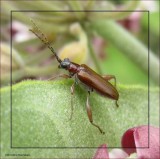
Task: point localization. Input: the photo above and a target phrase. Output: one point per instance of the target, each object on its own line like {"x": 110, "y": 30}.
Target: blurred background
{"x": 111, "y": 37}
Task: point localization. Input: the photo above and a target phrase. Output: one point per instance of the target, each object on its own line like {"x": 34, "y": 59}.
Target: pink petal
{"x": 101, "y": 153}
{"x": 138, "y": 137}
{"x": 128, "y": 141}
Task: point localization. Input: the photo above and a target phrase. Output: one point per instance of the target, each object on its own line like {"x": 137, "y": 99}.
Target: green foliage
{"x": 129, "y": 45}
{"x": 153, "y": 29}
{"x": 41, "y": 111}
{"x": 116, "y": 64}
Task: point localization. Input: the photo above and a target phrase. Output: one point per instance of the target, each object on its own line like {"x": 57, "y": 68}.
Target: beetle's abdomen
{"x": 93, "y": 80}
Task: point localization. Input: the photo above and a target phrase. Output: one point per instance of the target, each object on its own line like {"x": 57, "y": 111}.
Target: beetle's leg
{"x": 72, "y": 93}
{"x": 89, "y": 113}
{"x": 58, "y": 76}
{"x": 109, "y": 77}
{"x": 117, "y": 103}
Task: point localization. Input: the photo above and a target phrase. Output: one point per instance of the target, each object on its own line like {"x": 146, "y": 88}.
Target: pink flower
{"x": 134, "y": 140}
{"x": 138, "y": 139}
{"x": 102, "y": 152}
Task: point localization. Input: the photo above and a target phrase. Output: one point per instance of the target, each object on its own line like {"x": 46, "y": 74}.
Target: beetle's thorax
{"x": 73, "y": 68}
{"x": 70, "y": 66}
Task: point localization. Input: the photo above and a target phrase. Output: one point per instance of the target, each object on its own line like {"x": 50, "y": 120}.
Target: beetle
{"x": 83, "y": 75}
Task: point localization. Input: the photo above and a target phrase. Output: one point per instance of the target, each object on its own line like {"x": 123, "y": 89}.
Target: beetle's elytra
{"x": 83, "y": 75}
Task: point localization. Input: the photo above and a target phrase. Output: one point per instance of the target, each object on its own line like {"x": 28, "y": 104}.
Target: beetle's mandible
{"x": 84, "y": 75}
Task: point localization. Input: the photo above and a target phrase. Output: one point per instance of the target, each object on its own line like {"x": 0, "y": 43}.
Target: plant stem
{"x": 129, "y": 45}
{"x": 94, "y": 58}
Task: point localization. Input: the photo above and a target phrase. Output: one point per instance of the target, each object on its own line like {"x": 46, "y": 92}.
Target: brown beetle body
{"x": 93, "y": 80}
{"x": 85, "y": 75}
{"x": 96, "y": 82}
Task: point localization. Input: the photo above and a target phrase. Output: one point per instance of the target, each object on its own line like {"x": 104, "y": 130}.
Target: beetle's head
{"x": 65, "y": 64}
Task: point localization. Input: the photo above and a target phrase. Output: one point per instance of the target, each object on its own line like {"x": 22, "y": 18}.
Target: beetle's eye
{"x": 65, "y": 64}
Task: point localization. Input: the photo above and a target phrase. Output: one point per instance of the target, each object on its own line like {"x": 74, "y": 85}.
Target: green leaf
{"x": 41, "y": 111}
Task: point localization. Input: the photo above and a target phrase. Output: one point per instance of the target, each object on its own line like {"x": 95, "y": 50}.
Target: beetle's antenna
{"x": 44, "y": 39}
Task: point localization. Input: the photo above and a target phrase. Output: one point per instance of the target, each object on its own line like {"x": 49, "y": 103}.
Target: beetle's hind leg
{"x": 116, "y": 102}
{"x": 109, "y": 77}
{"x": 89, "y": 113}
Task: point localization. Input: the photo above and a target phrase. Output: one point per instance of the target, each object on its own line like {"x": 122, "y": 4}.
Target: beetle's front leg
{"x": 72, "y": 93}
{"x": 89, "y": 113}
{"x": 58, "y": 76}
{"x": 109, "y": 77}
